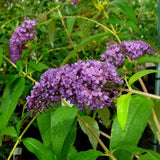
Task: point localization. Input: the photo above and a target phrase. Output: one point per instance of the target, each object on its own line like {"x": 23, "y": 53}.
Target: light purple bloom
{"x": 82, "y": 83}
{"x": 116, "y": 54}
{"x": 22, "y": 34}
{"x": 135, "y": 49}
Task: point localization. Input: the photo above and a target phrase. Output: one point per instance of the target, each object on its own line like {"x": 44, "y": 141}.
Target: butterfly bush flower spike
{"x": 22, "y": 34}
{"x": 135, "y": 49}
{"x": 82, "y": 83}
{"x": 116, "y": 53}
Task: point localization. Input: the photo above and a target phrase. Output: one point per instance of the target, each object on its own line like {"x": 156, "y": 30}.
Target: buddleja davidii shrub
{"x": 82, "y": 83}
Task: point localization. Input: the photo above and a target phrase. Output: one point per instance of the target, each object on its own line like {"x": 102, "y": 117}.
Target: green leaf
{"x": 81, "y": 45}
{"x": 126, "y": 152}
{"x": 122, "y": 154}
{"x": 51, "y": 32}
{"x": 112, "y": 21}
{"x": 133, "y": 26}
{"x": 70, "y": 24}
{"x": 122, "y": 109}
{"x": 128, "y": 10}
{"x": 115, "y": 10}
{"x": 36, "y": 147}
{"x": 87, "y": 155}
{"x": 10, "y": 131}
{"x": 147, "y": 157}
{"x": 138, "y": 115}
{"x": 152, "y": 121}
{"x": 140, "y": 74}
{"x": 72, "y": 153}
{"x": 145, "y": 59}
{"x": 137, "y": 150}
{"x": 10, "y": 97}
{"x": 20, "y": 66}
{"x": 84, "y": 121}
{"x": 69, "y": 141}
{"x": 154, "y": 154}
{"x": 44, "y": 125}
{"x": 62, "y": 130}
{"x": 105, "y": 116}
{"x": 1, "y": 56}
{"x": 36, "y": 66}
{"x": 41, "y": 66}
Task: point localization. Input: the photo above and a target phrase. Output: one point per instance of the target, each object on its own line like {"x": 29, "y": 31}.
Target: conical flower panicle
{"x": 22, "y": 34}
{"x": 82, "y": 83}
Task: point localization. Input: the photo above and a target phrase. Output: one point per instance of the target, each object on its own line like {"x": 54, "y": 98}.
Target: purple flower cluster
{"x": 81, "y": 83}
{"x": 135, "y": 49}
{"x": 116, "y": 54}
{"x": 22, "y": 34}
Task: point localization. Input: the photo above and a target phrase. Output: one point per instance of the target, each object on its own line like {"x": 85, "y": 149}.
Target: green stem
{"x": 24, "y": 74}
{"x": 134, "y": 92}
{"x": 65, "y": 28}
{"x": 98, "y": 139}
{"x": 8, "y": 60}
{"x": 105, "y": 28}
{"x": 10, "y": 21}
{"x": 20, "y": 137}
{"x": 106, "y": 15}
{"x": 105, "y": 135}
{"x": 112, "y": 27}
{"x": 61, "y": 48}
{"x": 24, "y": 106}
{"x": 144, "y": 94}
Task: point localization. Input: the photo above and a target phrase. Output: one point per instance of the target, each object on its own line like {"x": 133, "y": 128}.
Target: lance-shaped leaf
{"x": 133, "y": 26}
{"x": 63, "y": 131}
{"x": 10, "y": 98}
{"x": 70, "y": 24}
{"x": 146, "y": 59}
{"x": 86, "y": 121}
{"x": 38, "y": 148}
{"x": 147, "y": 157}
{"x": 152, "y": 124}
{"x": 87, "y": 155}
{"x": 105, "y": 116}
{"x": 134, "y": 150}
{"x": 128, "y": 10}
{"x": 122, "y": 109}
{"x": 10, "y": 131}
{"x": 140, "y": 74}
{"x": 51, "y": 32}
{"x": 138, "y": 116}
{"x": 44, "y": 125}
